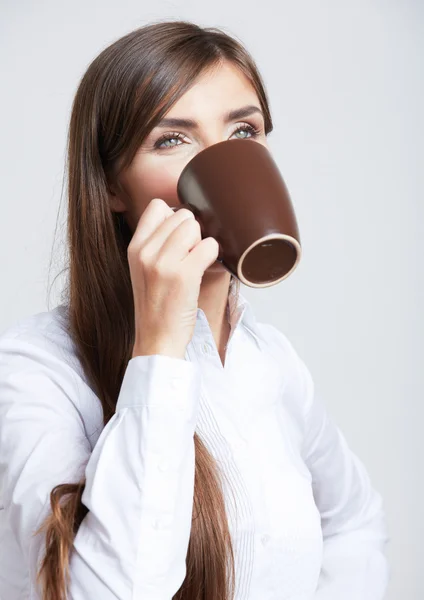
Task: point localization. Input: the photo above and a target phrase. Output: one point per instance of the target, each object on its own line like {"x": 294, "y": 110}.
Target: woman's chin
{"x": 217, "y": 267}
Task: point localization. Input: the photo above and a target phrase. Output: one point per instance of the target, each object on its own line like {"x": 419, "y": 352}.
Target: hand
{"x": 167, "y": 259}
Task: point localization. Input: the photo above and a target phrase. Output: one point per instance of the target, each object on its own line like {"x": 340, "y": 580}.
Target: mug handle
{"x": 189, "y": 207}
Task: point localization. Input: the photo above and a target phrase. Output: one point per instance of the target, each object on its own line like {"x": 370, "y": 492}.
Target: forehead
{"x": 214, "y": 92}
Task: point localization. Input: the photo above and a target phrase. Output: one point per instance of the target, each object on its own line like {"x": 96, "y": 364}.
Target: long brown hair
{"x": 124, "y": 92}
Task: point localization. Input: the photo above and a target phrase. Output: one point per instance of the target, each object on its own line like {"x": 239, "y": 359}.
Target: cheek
{"x": 155, "y": 182}
{"x": 150, "y": 177}
{"x": 160, "y": 183}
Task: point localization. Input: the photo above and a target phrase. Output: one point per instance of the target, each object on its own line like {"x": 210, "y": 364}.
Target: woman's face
{"x": 159, "y": 161}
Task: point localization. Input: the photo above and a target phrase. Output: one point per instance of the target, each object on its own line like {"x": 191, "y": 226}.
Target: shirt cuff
{"x": 160, "y": 381}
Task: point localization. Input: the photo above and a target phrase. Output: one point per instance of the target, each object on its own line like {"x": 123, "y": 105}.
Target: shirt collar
{"x": 239, "y": 314}
{"x": 243, "y": 314}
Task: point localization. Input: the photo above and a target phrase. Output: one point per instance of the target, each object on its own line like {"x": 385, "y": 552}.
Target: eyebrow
{"x": 233, "y": 115}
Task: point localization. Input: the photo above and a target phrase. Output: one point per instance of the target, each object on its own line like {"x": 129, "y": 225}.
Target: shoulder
{"x": 40, "y": 374}
{"x": 41, "y": 336}
{"x": 298, "y": 383}
{"x": 281, "y": 349}
{"x": 278, "y": 341}
{"x": 40, "y": 328}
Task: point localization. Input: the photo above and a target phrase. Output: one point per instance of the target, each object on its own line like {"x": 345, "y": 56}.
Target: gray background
{"x": 346, "y": 90}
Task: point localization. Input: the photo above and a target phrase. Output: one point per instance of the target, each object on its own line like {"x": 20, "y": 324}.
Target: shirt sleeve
{"x": 139, "y": 477}
{"x": 353, "y": 522}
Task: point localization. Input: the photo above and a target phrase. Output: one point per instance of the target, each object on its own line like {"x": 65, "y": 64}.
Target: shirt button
{"x": 207, "y": 348}
{"x": 163, "y": 465}
{"x": 265, "y": 539}
{"x": 175, "y": 382}
{"x": 162, "y": 523}
{"x": 239, "y": 445}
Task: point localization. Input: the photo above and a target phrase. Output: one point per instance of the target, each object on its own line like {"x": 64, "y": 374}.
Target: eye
{"x": 168, "y": 137}
{"x": 247, "y": 128}
{"x": 160, "y": 144}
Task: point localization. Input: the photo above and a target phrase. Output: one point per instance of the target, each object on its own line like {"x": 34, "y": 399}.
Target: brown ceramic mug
{"x": 238, "y": 196}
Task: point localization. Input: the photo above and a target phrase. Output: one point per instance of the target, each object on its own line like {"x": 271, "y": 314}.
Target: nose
{"x": 215, "y": 140}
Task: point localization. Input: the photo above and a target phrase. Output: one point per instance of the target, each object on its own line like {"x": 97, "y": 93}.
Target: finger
{"x": 203, "y": 255}
{"x": 179, "y": 240}
{"x": 156, "y": 212}
{"x": 163, "y": 232}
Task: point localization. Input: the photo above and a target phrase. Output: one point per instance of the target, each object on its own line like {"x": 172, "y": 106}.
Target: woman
{"x": 156, "y": 441}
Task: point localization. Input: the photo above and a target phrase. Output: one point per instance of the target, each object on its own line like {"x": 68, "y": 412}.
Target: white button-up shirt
{"x": 305, "y": 521}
